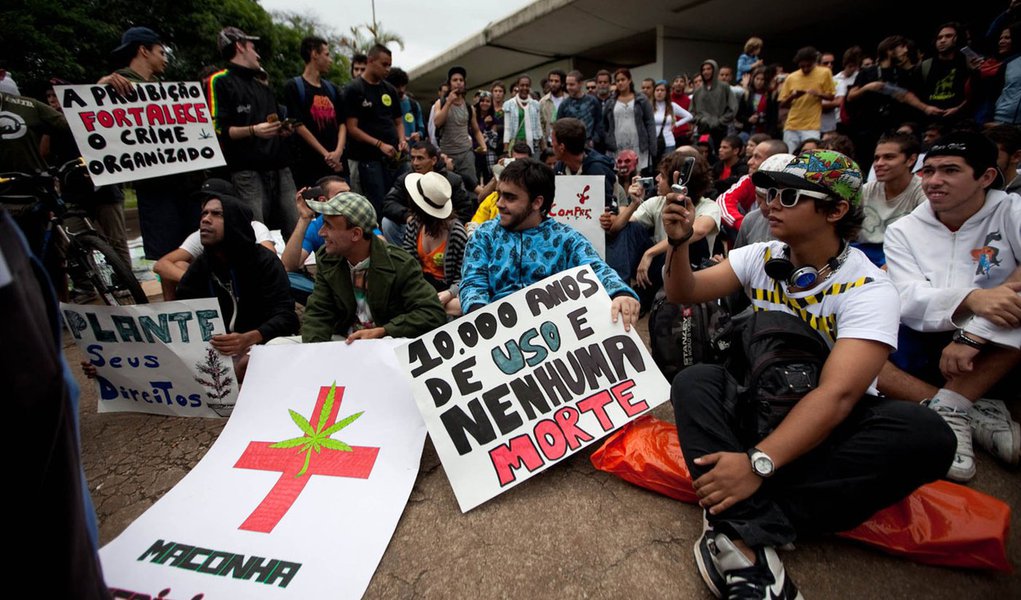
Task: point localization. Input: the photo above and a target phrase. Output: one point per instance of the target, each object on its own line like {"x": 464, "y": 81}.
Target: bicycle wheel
{"x": 105, "y": 270}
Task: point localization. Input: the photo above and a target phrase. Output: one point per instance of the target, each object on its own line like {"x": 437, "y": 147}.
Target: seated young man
{"x": 246, "y": 279}
{"x": 171, "y": 266}
{"x": 425, "y": 158}
{"x": 525, "y": 246}
{"x": 305, "y": 240}
{"x": 841, "y": 453}
{"x": 895, "y": 192}
{"x": 636, "y": 241}
{"x": 364, "y": 288}
{"x": 955, "y": 260}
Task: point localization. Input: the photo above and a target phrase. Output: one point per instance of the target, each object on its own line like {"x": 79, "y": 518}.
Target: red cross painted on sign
{"x": 296, "y": 467}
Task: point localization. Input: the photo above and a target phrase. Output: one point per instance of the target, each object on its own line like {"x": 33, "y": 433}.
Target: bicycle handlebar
{"x": 44, "y": 175}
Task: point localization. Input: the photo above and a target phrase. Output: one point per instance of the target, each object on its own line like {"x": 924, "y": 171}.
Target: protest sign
{"x": 511, "y": 389}
{"x": 300, "y": 494}
{"x": 579, "y": 201}
{"x": 156, "y": 358}
{"x": 160, "y": 128}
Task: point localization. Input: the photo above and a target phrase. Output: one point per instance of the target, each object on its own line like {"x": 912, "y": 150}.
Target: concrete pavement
{"x": 572, "y": 532}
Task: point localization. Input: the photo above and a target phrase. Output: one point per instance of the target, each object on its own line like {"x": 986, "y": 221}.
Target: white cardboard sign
{"x": 160, "y": 128}
{"x": 156, "y": 358}
{"x": 579, "y": 201}
{"x": 511, "y": 389}
{"x": 300, "y": 494}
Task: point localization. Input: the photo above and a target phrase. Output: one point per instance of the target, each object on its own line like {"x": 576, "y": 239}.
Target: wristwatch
{"x": 762, "y": 465}
{"x": 961, "y": 337}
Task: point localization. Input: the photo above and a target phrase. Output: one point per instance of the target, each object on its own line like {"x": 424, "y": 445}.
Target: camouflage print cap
{"x": 819, "y": 170}
{"x": 354, "y": 207}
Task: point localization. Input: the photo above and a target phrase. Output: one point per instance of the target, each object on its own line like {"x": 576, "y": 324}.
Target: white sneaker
{"x": 995, "y": 431}
{"x": 963, "y": 468}
{"x": 729, "y": 573}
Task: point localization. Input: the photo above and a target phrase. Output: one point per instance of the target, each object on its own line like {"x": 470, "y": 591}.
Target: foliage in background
{"x": 73, "y": 39}
{"x": 360, "y": 38}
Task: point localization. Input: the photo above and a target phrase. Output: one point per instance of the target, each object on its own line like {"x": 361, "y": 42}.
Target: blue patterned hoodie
{"x": 499, "y": 262}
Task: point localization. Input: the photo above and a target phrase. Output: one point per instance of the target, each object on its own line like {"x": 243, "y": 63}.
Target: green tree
{"x": 74, "y": 39}
{"x": 363, "y": 37}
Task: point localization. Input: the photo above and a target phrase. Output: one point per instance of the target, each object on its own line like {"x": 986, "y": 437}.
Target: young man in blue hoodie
{"x": 525, "y": 246}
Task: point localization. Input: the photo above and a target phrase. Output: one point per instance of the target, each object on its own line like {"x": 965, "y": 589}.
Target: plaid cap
{"x": 819, "y": 170}
{"x": 229, "y": 35}
{"x": 976, "y": 149}
{"x": 354, "y": 207}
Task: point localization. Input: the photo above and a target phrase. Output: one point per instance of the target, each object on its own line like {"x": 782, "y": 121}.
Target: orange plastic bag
{"x": 939, "y": 524}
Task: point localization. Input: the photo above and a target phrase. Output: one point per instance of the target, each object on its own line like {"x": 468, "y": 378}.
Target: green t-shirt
{"x": 521, "y": 124}
{"x": 23, "y": 122}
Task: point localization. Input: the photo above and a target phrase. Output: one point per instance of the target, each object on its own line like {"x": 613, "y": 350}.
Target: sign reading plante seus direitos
{"x": 156, "y": 358}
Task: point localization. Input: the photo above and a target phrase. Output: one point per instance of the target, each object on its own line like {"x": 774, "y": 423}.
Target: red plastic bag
{"x": 939, "y": 524}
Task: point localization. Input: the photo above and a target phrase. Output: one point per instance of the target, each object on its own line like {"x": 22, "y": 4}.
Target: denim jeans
{"x": 270, "y": 195}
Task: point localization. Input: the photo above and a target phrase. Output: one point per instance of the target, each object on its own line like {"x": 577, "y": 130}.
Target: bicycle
{"x": 92, "y": 263}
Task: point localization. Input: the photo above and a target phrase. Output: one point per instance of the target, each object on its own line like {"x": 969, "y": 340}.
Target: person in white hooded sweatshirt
{"x": 956, "y": 261}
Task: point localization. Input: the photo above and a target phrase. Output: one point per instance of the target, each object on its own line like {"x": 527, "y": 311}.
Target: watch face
{"x": 762, "y": 465}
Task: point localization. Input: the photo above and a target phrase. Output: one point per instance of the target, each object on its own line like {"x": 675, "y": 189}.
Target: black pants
{"x": 878, "y": 455}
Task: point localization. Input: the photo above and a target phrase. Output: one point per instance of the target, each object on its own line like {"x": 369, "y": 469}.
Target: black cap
{"x": 214, "y": 188}
{"x": 454, "y": 70}
{"x": 137, "y": 35}
{"x": 976, "y": 149}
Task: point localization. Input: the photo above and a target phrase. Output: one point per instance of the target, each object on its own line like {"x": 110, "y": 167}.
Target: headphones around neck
{"x": 782, "y": 269}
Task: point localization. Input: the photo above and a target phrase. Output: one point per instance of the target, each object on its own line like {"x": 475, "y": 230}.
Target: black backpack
{"x": 681, "y": 335}
{"x": 776, "y": 359}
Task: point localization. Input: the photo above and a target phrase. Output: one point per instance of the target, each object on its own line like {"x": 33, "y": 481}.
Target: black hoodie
{"x": 251, "y": 281}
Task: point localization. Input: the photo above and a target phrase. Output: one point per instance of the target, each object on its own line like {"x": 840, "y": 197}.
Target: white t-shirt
{"x": 857, "y": 301}
{"x": 193, "y": 245}
{"x": 881, "y": 212}
{"x": 680, "y": 117}
{"x": 842, "y": 83}
{"x": 649, "y": 212}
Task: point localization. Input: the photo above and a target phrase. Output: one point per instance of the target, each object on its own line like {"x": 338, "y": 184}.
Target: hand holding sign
{"x": 519, "y": 385}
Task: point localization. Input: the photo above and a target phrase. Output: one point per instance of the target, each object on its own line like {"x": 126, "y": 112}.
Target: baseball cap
{"x": 229, "y": 35}
{"x": 214, "y": 188}
{"x": 774, "y": 163}
{"x": 137, "y": 35}
{"x": 455, "y": 70}
{"x": 354, "y": 207}
{"x": 817, "y": 170}
{"x": 976, "y": 149}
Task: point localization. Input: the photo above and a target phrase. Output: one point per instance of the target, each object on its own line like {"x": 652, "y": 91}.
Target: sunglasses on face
{"x": 789, "y": 197}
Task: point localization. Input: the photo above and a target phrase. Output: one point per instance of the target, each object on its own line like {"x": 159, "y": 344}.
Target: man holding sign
{"x": 525, "y": 246}
{"x": 165, "y": 214}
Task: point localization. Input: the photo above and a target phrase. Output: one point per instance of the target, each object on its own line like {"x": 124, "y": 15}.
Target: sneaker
{"x": 729, "y": 574}
{"x": 995, "y": 431}
{"x": 963, "y": 467}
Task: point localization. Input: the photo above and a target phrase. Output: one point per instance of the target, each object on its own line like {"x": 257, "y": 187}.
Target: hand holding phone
{"x": 312, "y": 193}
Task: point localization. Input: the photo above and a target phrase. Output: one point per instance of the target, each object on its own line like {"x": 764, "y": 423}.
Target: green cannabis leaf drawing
{"x": 318, "y": 438}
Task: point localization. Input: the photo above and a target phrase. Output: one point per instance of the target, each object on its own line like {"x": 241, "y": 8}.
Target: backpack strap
{"x": 299, "y": 82}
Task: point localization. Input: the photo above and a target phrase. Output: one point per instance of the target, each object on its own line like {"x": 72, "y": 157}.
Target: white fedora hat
{"x": 431, "y": 192}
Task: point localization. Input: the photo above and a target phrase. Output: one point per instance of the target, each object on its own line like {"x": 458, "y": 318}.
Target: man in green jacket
{"x": 364, "y": 288}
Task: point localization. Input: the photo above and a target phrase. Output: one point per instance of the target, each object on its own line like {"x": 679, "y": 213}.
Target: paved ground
{"x": 571, "y": 532}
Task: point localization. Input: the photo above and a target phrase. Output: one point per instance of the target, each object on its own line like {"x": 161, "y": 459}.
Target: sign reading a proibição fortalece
{"x": 160, "y": 128}
{"x": 513, "y": 388}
